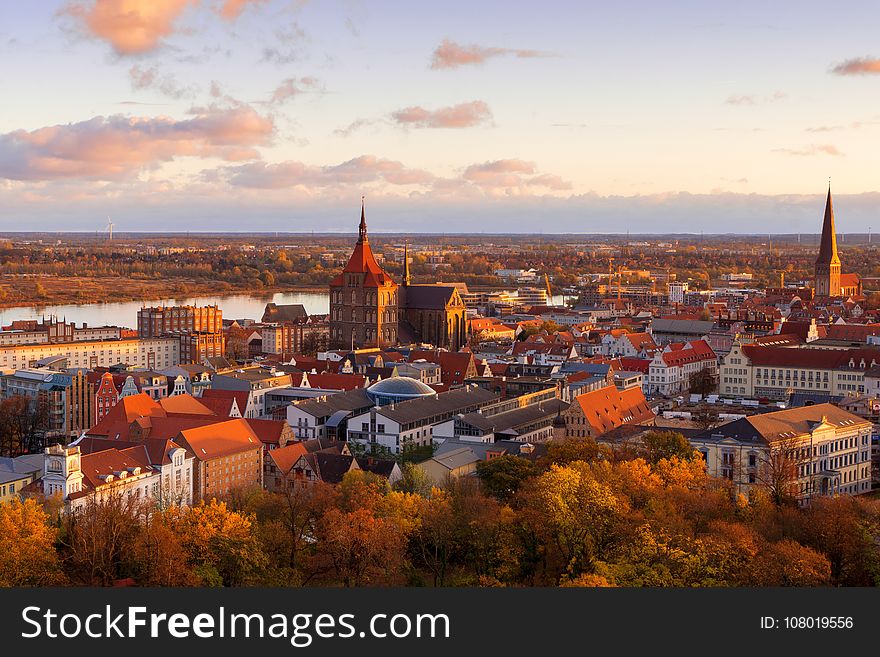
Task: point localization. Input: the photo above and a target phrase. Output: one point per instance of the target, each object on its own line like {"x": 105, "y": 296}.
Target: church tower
{"x": 828, "y": 262}
{"x": 363, "y": 300}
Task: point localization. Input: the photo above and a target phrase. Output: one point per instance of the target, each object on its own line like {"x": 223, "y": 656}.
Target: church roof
{"x": 828, "y": 246}
{"x": 362, "y": 261}
{"x": 432, "y": 297}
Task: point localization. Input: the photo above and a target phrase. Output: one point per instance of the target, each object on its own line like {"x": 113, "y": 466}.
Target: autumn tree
{"x": 502, "y": 476}
{"x": 362, "y": 548}
{"x": 702, "y": 382}
{"x": 569, "y": 450}
{"x": 27, "y": 546}
{"x": 666, "y": 444}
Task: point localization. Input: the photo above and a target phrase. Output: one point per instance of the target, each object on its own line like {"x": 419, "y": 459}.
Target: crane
{"x": 549, "y": 291}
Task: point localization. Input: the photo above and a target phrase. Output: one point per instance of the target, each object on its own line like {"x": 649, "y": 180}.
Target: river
{"x": 234, "y": 306}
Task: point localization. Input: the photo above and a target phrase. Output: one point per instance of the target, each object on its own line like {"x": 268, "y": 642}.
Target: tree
{"x": 23, "y": 425}
{"x": 414, "y": 480}
{"x": 221, "y": 544}
{"x": 27, "y": 546}
{"x": 666, "y": 444}
{"x": 702, "y": 382}
{"x": 502, "y": 476}
{"x": 569, "y": 450}
{"x": 778, "y": 471}
{"x": 360, "y": 546}
{"x": 99, "y": 539}
{"x": 788, "y": 563}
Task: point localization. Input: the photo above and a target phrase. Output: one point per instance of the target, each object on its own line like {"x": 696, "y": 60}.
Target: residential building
{"x": 596, "y": 412}
{"x": 671, "y": 369}
{"x": 805, "y": 452}
{"x": 148, "y": 353}
{"x": 257, "y": 380}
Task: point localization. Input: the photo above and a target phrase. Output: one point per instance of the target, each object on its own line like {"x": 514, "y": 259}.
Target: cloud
{"x": 858, "y": 66}
{"x": 232, "y": 9}
{"x": 452, "y": 55}
{"x": 357, "y": 171}
{"x": 113, "y": 147}
{"x": 353, "y": 127}
{"x": 812, "y": 149}
{"x": 151, "y": 78}
{"x": 464, "y": 115}
{"x": 756, "y": 100}
{"x": 288, "y": 48}
{"x": 132, "y": 27}
{"x": 292, "y": 87}
{"x": 511, "y": 174}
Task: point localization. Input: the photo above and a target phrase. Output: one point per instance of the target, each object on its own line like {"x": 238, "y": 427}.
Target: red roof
{"x": 608, "y": 408}
{"x": 682, "y": 353}
{"x": 343, "y": 382}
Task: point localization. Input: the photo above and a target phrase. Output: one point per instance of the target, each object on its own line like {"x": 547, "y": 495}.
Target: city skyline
{"x": 237, "y": 115}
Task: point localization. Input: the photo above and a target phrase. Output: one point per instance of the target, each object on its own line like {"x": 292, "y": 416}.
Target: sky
{"x": 489, "y": 116}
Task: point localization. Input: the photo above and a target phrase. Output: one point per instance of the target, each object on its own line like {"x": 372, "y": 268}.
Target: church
{"x": 829, "y": 281}
{"x": 369, "y": 309}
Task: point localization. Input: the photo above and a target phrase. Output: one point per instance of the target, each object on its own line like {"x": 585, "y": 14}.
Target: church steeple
{"x": 828, "y": 245}
{"x": 407, "y": 279}
{"x": 828, "y": 261}
{"x": 362, "y": 229}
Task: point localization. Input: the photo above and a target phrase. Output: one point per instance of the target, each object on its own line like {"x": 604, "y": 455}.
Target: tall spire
{"x": 407, "y": 279}
{"x": 828, "y": 245}
{"x": 362, "y": 230}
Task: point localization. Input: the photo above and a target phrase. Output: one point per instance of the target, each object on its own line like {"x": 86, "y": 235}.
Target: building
{"x": 664, "y": 331}
{"x": 294, "y": 337}
{"x": 671, "y": 369}
{"x": 599, "y": 411}
{"x": 456, "y": 463}
{"x": 30, "y": 331}
{"x": 148, "y": 353}
{"x": 802, "y": 452}
{"x": 409, "y": 424}
{"x": 829, "y": 281}
{"x": 258, "y": 381}
{"x": 774, "y": 372}
{"x": 160, "y": 320}
{"x": 677, "y": 290}
{"x": 327, "y": 416}
{"x": 369, "y": 309}
{"x": 18, "y": 472}
{"x": 228, "y": 456}
{"x": 527, "y": 423}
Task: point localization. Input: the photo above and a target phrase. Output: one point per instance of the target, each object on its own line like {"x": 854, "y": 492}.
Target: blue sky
{"x": 454, "y": 116}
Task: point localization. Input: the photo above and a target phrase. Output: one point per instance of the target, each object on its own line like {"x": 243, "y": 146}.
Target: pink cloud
{"x": 292, "y": 87}
{"x": 357, "y": 171}
{"x": 812, "y": 149}
{"x": 511, "y": 174}
{"x": 131, "y": 26}
{"x": 452, "y": 55}
{"x": 232, "y": 9}
{"x": 134, "y": 27}
{"x": 117, "y": 146}
{"x": 858, "y": 66}
{"x": 464, "y": 115}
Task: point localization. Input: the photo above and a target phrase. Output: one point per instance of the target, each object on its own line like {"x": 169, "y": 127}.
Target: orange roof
{"x": 607, "y": 408}
{"x": 185, "y": 404}
{"x": 285, "y": 457}
{"x": 220, "y": 439}
{"x": 127, "y": 410}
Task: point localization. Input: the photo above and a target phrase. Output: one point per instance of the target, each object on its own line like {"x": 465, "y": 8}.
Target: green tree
{"x": 502, "y": 476}
{"x": 666, "y": 444}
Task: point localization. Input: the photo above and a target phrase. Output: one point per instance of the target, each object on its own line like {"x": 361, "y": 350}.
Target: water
{"x": 235, "y": 306}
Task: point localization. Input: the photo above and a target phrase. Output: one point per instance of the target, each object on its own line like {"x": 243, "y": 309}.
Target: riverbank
{"x": 38, "y": 291}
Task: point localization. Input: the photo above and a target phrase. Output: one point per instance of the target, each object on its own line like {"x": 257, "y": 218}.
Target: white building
{"x": 677, "y": 290}
{"x": 808, "y": 451}
{"x": 671, "y": 369}
{"x": 148, "y": 353}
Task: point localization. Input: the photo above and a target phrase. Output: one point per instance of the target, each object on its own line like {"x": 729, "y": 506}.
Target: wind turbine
{"x": 109, "y": 230}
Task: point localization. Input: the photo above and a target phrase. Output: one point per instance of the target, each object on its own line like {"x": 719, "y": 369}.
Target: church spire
{"x": 407, "y": 279}
{"x": 362, "y": 229}
{"x": 828, "y": 245}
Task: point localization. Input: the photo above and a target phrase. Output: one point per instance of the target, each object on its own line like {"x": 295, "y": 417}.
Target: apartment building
{"x": 774, "y": 372}
{"x": 809, "y": 451}
{"x": 140, "y": 352}
{"x": 671, "y": 369}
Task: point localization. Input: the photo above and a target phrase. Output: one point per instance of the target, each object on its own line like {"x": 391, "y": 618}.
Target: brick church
{"x": 829, "y": 281}
{"x": 369, "y": 309}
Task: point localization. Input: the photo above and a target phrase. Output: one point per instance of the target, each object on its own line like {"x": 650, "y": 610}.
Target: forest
{"x": 580, "y": 515}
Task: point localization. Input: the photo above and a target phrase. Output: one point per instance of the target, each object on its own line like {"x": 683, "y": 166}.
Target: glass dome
{"x": 397, "y": 389}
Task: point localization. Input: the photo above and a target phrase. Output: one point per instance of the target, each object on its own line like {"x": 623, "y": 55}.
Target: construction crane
{"x": 781, "y": 273}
